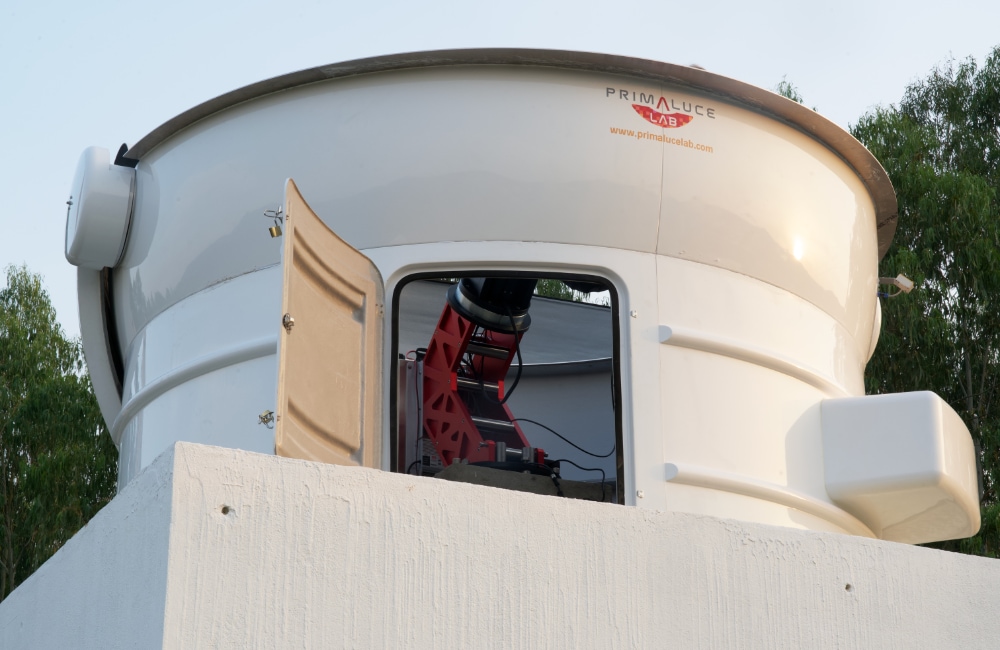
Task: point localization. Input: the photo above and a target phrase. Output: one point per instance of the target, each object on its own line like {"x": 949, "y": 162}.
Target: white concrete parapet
{"x": 213, "y": 547}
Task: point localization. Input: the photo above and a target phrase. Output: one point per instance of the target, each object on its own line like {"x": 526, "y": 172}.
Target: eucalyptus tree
{"x": 57, "y": 462}
{"x": 941, "y": 147}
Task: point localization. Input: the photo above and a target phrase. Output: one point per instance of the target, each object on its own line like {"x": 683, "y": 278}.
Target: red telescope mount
{"x": 465, "y": 415}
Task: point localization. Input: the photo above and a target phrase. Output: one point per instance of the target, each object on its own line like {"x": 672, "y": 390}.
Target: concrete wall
{"x": 214, "y": 547}
{"x": 106, "y": 587}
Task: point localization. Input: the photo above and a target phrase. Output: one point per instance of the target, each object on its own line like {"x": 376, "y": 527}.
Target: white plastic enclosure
{"x": 100, "y": 203}
{"x": 900, "y": 463}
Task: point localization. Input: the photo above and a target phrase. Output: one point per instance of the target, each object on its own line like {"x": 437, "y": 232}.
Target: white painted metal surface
{"x": 204, "y": 368}
{"x": 219, "y": 548}
{"x": 94, "y": 322}
{"x": 740, "y": 230}
{"x": 900, "y": 462}
{"x": 99, "y": 207}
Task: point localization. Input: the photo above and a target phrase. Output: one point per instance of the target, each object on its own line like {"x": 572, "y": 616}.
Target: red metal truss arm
{"x": 448, "y": 421}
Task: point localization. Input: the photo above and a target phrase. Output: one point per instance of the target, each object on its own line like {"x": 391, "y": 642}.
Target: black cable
{"x": 411, "y": 466}
{"x": 520, "y": 363}
{"x": 468, "y": 355}
{"x": 604, "y": 477}
{"x": 567, "y": 440}
{"x": 545, "y": 469}
{"x": 555, "y": 481}
{"x": 538, "y": 469}
{"x": 477, "y": 375}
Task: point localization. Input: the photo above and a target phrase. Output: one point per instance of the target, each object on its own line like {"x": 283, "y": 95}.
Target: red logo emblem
{"x": 666, "y": 120}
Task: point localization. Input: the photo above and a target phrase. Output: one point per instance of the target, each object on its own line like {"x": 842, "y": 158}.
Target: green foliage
{"x": 551, "y": 288}
{"x": 941, "y": 148}
{"x": 788, "y": 90}
{"x": 58, "y": 464}
{"x": 556, "y": 289}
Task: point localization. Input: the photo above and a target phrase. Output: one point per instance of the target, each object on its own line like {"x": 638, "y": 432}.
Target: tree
{"x": 58, "y": 464}
{"x": 788, "y": 90}
{"x": 941, "y": 149}
{"x": 551, "y": 288}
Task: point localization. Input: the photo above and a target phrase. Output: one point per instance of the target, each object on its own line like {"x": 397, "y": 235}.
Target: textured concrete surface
{"x": 214, "y": 547}
{"x": 107, "y": 586}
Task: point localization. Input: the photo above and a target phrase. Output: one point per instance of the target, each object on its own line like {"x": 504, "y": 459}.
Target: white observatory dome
{"x": 729, "y": 240}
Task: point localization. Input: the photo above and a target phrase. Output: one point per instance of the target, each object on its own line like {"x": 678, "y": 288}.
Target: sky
{"x": 104, "y": 72}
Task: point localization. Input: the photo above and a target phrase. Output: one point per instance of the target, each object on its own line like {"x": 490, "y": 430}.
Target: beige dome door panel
{"x": 329, "y": 405}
